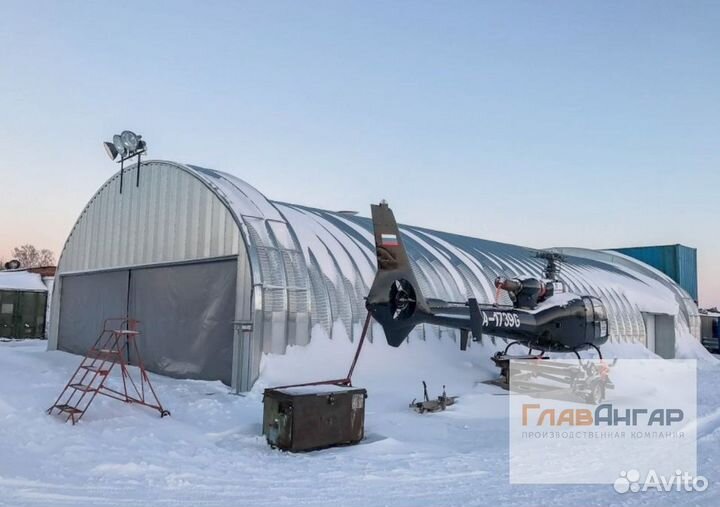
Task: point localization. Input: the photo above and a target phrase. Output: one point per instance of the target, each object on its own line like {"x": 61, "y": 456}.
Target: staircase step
{"x": 68, "y": 408}
{"x": 104, "y": 354}
{"x": 106, "y": 351}
{"x": 96, "y": 369}
{"x": 126, "y": 332}
{"x": 82, "y": 387}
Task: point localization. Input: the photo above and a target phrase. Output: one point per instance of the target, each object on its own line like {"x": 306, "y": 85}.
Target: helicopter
{"x": 540, "y": 318}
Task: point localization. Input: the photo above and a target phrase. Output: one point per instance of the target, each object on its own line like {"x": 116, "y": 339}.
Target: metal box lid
{"x": 318, "y": 390}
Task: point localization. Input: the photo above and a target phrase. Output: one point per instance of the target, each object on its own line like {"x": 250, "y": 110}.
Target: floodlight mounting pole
{"x": 137, "y": 179}
{"x": 127, "y": 145}
{"x": 122, "y": 169}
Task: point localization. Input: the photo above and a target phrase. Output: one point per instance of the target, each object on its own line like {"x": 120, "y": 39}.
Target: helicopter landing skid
{"x": 502, "y": 361}
{"x": 539, "y": 374}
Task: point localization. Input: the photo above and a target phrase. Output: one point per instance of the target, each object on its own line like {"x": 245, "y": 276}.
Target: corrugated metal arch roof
{"x": 311, "y": 268}
{"x": 337, "y": 253}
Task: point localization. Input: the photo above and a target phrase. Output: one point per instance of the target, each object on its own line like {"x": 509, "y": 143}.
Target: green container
{"x": 22, "y": 314}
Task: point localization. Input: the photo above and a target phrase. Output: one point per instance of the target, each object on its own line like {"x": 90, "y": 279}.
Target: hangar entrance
{"x": 660, "y": 334}
{"x": 186, "y": 313}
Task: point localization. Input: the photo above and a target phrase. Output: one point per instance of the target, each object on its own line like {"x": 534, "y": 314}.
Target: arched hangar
{"x": 219, "y": 275}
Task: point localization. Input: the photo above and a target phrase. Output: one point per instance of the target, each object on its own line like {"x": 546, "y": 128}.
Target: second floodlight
{"x": 130, "y": 140}
{"x": 119, "y": 146}
{"x": 111, "y": 150}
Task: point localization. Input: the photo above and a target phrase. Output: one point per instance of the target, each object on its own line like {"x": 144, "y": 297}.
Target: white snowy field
{"x": 210, "y": 452}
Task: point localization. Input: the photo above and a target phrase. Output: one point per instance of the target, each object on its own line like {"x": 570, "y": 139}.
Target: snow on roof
{"x": 21, "y": 281}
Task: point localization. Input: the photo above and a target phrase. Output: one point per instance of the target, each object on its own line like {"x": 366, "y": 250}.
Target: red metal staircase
{"x": 116, "y": 342}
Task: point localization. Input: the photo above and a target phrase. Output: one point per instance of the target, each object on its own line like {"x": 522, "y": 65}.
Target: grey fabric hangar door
{"x": 86, "y": 301}
{"x": 187, "y": 313}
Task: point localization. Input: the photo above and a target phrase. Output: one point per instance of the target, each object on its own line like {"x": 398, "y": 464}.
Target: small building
{"x": 679, "y": 262}
{"x": 23, "y": 302}
{"x": 219, "y": 274}
{"x": 710, "y": 329}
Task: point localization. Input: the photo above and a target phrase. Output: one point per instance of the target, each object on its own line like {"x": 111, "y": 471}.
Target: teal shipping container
{"x": 679, "y": 262}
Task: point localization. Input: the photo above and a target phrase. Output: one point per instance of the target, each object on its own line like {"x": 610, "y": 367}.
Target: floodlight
{"x": 130, "y": 140}
{"x": 119, "y": 146}
{"x": 125, "y": 146}
{"x": 110, "y": 150}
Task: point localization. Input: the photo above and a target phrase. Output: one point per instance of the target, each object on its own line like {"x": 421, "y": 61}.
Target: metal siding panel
{"x": 85, "y": 234}
{"x": 163, "y": 216}
{"x": 130, "y": 228}
{"x": 94, "y": 220}
{"x": 170, "y": 226}
{"x": 141, "y": 216}
{"x": 164, "y": 204}
{"x": 677, "y": 261}
{"x": 107, "y": 245}
{"x": 345, "y": 298}
{"x": 181, "y": 212}
{"x": 202, "y": 231}
{"x": 194, "y": 236}
{"x": 207, "y": 224}
{"x": 158, "y": 217}
{"x": 132, "y": 238}
{"x": 179, "y": 222}
{"x": 171, "y": 216}
{"x": 191, "y": 225}
{"x": 142, "y": 222}
{"x": 103, "y": 250}
{"x": 213, "y": 226}
{"x": 124, "y": 231}
{"x": 119, "y": 227}
{"x": 151, "y": 218}
{"x": 235, "y": 240}
{"x": 320, "y": 308}
{"x": 127, "y": 217}
{"x": 102, "y": 213}
{"x": 95, "y": 230}
{"x": 99, "y": 210}
{"x": 111, "y": 243}
{"x": 431, "y": 277}
{"x": 687, "y": 270}
{"x": 80, "y": 250}
{"x": 659, "y": 257}
{"x": 230, "y": 234}
{"x": 245, "y": 370}
{"x": 219, "y": 227}
{"x": 92, "y": 231}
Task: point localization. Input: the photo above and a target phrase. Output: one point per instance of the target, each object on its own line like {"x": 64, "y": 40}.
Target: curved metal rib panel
{"x": 311, "y": 268}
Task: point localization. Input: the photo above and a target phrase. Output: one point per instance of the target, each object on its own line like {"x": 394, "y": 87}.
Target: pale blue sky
{"x": 539, "y": 123}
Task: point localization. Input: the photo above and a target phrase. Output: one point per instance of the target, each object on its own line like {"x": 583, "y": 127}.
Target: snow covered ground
{"x": 210, "y": 452}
